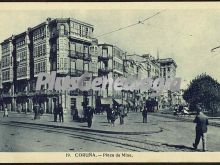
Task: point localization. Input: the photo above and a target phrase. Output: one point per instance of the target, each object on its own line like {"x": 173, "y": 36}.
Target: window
{"x": 39, "y": 33}
{"x": 105, "y": 52}
{"x": 45, "y": 49}
{"x": 40, "y": 50}
{"x": 79, "y": 47}
{"x": 62, "y": 29}
{"x": 44, "y": 68}
{"x": 79, "y": 64}
{"x": 86, "y": 49}
{"x": 65, "y": 63}
{"x": 87, "y": 32}
{"x": 76, "y": 29}
{"x": 73, "y": 66}
{"x": 84, "y": 34}
{"x": 86, "y": 67}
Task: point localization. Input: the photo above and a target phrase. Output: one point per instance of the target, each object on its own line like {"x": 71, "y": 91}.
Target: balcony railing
{"x": 72, "y": 53}
{"x": 79, "y": 55}
{"x": 23, "y": 93}
{"x": 87, "y": 57}
{"x": 76, "y": 73}
{"x": 104, "y": 71}
{"x": 59, "y": 33}
{"x": 102, "y": 58}
{"x": 6, "y": 95}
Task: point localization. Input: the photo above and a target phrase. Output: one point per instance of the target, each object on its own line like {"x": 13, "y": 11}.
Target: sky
{"x": 186, "y": 35}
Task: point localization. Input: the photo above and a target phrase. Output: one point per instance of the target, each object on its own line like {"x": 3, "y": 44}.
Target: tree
{"x": 205, "y": 90}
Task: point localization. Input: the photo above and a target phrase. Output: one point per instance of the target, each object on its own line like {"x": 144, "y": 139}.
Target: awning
{"x": 138, "y": 95}
{"x": 106, "y": 101}
{"x": 119, "y": 101}
{"x": 125, "y": 102}
{"x": 130, "y": 103}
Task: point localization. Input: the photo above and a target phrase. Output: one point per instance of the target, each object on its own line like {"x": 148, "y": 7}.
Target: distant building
{"x": 167, "y": 68}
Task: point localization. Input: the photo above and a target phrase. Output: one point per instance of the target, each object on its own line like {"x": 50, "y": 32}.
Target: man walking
{"x": 60, "y": 110}
{"x": 144, "y": 114}
{"x": 121, "y": 114}
{"x": 55, "y": 112}
{"x": 201, "y": 128}
{"x": 89, "y": 116}
{"x": 36, "y": 111}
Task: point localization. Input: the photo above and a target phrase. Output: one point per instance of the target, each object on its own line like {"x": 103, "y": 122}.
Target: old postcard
{"x": 110, "y": 82}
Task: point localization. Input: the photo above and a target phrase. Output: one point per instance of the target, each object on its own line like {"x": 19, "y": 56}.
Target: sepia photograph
{"x": 84, "y": 78}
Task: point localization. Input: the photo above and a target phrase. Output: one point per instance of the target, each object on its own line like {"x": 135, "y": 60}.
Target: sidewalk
{"x": 132, "y": 126}
{"x": 213, "y": 121}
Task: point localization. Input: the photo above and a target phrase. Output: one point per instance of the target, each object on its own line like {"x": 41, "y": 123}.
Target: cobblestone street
{"x": 21, "y": 133}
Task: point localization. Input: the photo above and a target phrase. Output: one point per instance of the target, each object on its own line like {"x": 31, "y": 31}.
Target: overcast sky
{"x": 187, "y": 36}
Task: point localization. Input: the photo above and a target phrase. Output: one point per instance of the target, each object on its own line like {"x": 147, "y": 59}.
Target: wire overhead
{"x": 122, "y": 28}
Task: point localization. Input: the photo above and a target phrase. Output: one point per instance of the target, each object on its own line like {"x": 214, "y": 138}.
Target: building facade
{"x": 168, "y": 70}
{"x": 67, "y": 46}
{"x": 110, "y": 66}
{"x": 60, "y": 45}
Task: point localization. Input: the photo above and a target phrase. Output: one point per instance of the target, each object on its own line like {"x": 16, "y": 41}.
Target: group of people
{"x": 114, "y": 113}
{"x": 58, "y": 110}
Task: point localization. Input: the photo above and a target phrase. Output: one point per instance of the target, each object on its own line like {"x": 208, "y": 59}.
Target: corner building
{"x": 60, "y": 45}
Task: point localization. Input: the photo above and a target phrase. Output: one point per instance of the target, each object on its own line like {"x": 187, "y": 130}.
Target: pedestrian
{"x": 35, "y": 109}
{"x": 201, "y": 128}
{"x": 144, "y": 114}
{"x": 113, "y": 117}
{"x": 55, "y": 113}
{"x": 60, "y": 110}
{"x": 108, "y": 112}
{"x": 90, "y": 113}
{"x": 121, "y": 114}
{"x": 5, "y": 111}
{"x": 41, "y": 110}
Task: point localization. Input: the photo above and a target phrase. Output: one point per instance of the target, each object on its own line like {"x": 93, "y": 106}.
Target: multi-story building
{"x": 152, "y": 66}
{"x": 130, "y": 71}
{"x": 147, "y": 66}
{"x": 168, "y": 70}
{"x": 1, "y": 98}
{"x": 7, "y": 68}
{"x": 60, "y": 45}
{"x": 110, "y": 66}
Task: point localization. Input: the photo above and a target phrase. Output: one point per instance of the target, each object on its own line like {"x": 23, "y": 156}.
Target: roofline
{"x": 105, "y": 44}
{"x": 44, "y": 23}
{"x": 7, "y": 40}
{"x": 18, "y": 35}
{"x": 75, "y": 20}
{"x": 39, "y": 25}
{"x": 172, "y": 60}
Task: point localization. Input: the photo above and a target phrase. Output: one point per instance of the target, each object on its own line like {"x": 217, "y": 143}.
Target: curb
{"x": 90, "y": 130}
{"x": 184, "y": 119}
